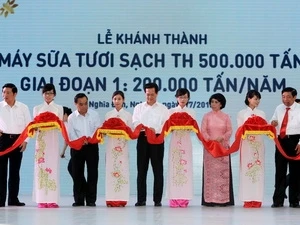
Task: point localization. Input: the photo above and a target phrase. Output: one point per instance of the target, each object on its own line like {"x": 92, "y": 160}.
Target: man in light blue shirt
{"x": 84, "y": 122}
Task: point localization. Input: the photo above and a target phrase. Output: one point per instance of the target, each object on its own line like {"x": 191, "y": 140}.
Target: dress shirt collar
{"x": 179, "y": 107}
{"x": 147, "y": 105}
{"x": 46, "y": 104}
{"x": 78, "y": 114}
{"x": 121, "y": 110}
{"x": 249, "y": 109}
{"x": 217, "y": 112}
{"x": 292, "y": 106}
{"x": 7, "y": 105}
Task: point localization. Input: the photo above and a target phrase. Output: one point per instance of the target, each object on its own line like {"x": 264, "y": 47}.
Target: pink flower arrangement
{"x": 48, "y": 170}
{"x": 251, "y": 138}
{"x": 41, "y": 160}
{"x": 183, "y": 162}
{"x": 118, "y": 149}
{"x": 116, "y": 174}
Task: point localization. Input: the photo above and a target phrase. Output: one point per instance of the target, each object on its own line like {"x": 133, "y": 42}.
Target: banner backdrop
{"x": 97, "y": 47}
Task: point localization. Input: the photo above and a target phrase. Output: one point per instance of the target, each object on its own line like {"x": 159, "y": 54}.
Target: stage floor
{"x": 148, "y": 215}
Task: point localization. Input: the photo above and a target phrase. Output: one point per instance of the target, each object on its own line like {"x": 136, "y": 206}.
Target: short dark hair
{"x": 49, "y": 87}
{"x": 80, "y": 95}
{"x": 220, "y": 98}
{"x": 151, "y": 85}
{"x": 182, "y": 91}
{"x": 118, "y": 93}
{"x": 12, "y": 86}
{"x": 67, "y": 110}
{"x": 250, "y": 94}
{"x": 297, "y": 100}
{"x": 290, "y": 89}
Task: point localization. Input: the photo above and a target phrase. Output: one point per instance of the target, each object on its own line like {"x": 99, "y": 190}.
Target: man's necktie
{"x": 284, "y": 123}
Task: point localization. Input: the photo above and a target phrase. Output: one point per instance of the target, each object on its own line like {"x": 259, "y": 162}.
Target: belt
{"x": 290, "y": 136}
{"x": 11, "y": 136}
{"x": 143, "y": 133}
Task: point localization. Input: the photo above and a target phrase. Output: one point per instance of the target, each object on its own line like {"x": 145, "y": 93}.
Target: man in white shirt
{"x": 289, "y": 138}
{"x": 84, "y": 122}
{"x": 153, "y": 115}
{"x": 14, "y": 117}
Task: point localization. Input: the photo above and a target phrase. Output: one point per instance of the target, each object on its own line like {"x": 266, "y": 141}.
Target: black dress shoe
{"x": 2, "y": 204}
{"x": 91, "y": 204}
{"x": 277, "y": 205}
{"x": 16, "y": 204}
{"x": 294, "y": 205}
{"x": 75, "y": 204}
{"x": 157, "y": 204}
{"x": 140, "y": 204}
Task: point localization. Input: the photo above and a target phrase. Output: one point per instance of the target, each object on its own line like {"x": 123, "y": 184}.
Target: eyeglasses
{"x": 48, "y": 93}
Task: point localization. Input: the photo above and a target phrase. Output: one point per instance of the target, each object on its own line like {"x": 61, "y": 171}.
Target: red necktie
{"x": 284, "y": 123}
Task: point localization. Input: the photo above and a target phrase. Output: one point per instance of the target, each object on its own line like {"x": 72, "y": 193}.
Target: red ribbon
{"x": 47, "y": 121}
{"x": 177, "y": 121}
{"x": 116, "y": 126}
{"x": 254, "y": 125}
